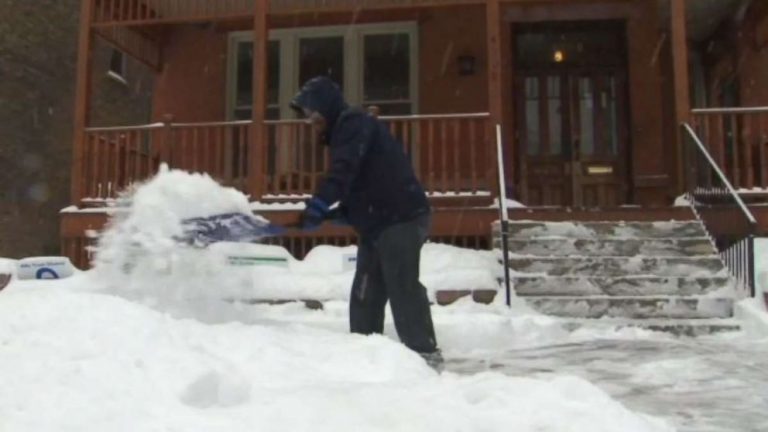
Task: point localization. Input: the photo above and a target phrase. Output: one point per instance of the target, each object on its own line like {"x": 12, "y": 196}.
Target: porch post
{"x": 257, "y": 152}
{"x": 495, "y": 94}
{"x": 82, "y": 101}
{"x": 679, "y": 41}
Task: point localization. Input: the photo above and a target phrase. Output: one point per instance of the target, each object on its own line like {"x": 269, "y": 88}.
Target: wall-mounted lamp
{"x": 558, "y": 56}
{"x": 466, "y": 65}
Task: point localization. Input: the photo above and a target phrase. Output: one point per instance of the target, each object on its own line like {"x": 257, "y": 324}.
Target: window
{"x": 243, "y": 88}
{"x": 386, "y": 72}
{"x": 117, "y": 66}
{"x": 373, "y": 64}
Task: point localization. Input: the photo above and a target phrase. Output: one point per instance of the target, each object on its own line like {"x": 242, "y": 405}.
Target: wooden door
{"x": 572, "y": 137}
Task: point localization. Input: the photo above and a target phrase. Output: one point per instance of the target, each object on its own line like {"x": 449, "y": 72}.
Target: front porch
{"x": 588, "y": 126}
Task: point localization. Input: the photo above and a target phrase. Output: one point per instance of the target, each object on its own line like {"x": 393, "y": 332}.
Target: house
{"x": 589, "y": 97}
{"x": 38, "y": 41}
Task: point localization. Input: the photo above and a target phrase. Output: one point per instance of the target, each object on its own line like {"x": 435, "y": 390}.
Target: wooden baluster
{"x": 114, "y": 162}
{"x": 430, "y": 144}
{"x": 92, "y": 139}
{"x": 718, "y": 142}
{"x": 218, "y": 144}
{"x": 153, "y": 151}
{"x": 747, "y": 142}
{"x": 166, "y": 142}
{"x": 195, "y": 149}
{"x": 472, "y": 144}
{"x": 136, "y": 157}
{"x": 109, "y": 10}
{"x": 444, "y": 155}
{"x": 179, "y": 148}
{"x": 457, "y": 175}
{"x": 125, "y": 161}
{"x": 735, "y": 159}
{"x": 211, "y": 143}
{"x": 244, "y": 155}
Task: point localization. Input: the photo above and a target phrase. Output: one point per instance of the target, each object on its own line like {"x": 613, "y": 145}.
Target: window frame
{"x": 354, "y": 46}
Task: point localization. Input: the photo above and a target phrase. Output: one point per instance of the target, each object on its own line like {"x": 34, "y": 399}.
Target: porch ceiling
{"x": 704, "y": 16}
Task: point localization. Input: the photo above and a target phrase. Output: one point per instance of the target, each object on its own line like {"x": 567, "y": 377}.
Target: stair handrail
{"x": 731, "y": 190}
{"x": 737, "y": 251}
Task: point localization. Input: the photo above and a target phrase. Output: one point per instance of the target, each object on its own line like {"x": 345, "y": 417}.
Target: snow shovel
{"x": 228, "y": 227}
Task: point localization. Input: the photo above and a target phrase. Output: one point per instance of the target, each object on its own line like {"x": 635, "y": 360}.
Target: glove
{"x": 337, "y": 216}
{"x": 314, "y": 214}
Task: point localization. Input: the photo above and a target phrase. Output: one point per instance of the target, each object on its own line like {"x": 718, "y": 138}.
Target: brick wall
{"x": 38, "y": 57}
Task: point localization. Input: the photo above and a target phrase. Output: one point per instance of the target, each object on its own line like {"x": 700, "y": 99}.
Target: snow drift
{"x": 80, "y": 362}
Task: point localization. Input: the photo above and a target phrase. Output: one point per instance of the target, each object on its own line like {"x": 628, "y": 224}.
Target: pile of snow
{"x": 137, "y": 256}
{"x": 682, "y": 201}
{"x": 7, "y": 266}
{"x": 511, "y": 204}
{"x": 80, "y": 361}
{"x": 137, "y": 253}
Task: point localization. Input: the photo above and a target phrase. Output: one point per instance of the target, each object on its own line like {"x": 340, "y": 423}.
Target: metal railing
{"x": 725, "y": 216}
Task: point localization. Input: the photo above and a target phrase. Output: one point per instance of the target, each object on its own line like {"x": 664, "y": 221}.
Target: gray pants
{"x": 388, "y": 269}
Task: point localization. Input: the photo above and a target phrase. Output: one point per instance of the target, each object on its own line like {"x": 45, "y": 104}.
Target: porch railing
{"x": 716, "y": 203}
{"x": 452, "y": 154}
{"x": 737, "y": 140}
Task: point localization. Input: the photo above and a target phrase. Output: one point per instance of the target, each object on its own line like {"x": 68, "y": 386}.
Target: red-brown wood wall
{"x": 192, "y": 84}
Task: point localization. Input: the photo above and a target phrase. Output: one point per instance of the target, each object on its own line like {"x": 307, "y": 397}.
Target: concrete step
{"x": 619, "y": 266}
{"x": 677, "y": 327}
{"x": 698, "y": 246}
{"x": 633, "y": 307}
{"x": 620, "y": 286}
{"x": 594, "y": 230}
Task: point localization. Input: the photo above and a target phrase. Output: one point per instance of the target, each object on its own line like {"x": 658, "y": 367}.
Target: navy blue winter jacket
{"x": 369, "y": 174}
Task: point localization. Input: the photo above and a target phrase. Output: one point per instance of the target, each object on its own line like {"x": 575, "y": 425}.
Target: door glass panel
{"x": 612, "y": 117}
{"x": 386, "y": 66}
{"x": 244, "y": 80}
{"x": 321, "y": 56}
{"x": 532, "y": 123}
{"x": 586, "y": 116}
{"x": 554, "y": 104}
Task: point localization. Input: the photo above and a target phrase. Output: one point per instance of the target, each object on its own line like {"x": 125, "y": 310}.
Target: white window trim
{"x": 353, "y": 65}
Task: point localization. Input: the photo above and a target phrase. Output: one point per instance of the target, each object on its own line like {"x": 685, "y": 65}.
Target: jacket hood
{"x": 321, "y": 94}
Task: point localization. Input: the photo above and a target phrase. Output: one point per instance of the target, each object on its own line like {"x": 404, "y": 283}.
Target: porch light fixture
{"x": 558, "y": 56}
{"x": 466, "y": 65}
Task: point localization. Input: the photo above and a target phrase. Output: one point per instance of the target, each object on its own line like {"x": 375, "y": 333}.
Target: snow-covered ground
{"x": 155, "y": 339}
{"x": 73, "y": 358}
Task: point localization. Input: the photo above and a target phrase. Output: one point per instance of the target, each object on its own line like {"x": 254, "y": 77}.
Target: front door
{"x": 571, "y": 117}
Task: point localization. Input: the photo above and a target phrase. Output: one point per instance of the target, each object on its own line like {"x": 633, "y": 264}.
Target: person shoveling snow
{"x": 372, "y": 180}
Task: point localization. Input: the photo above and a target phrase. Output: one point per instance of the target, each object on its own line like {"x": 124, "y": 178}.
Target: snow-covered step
{"x": 678, "y": 327}
{"x": 619, "y": 286}
{"x": 619, "y": 266}
{"x": 586, "y": 230}
{"x": 696, "y": 246}
{"x": 633, "y": 307}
